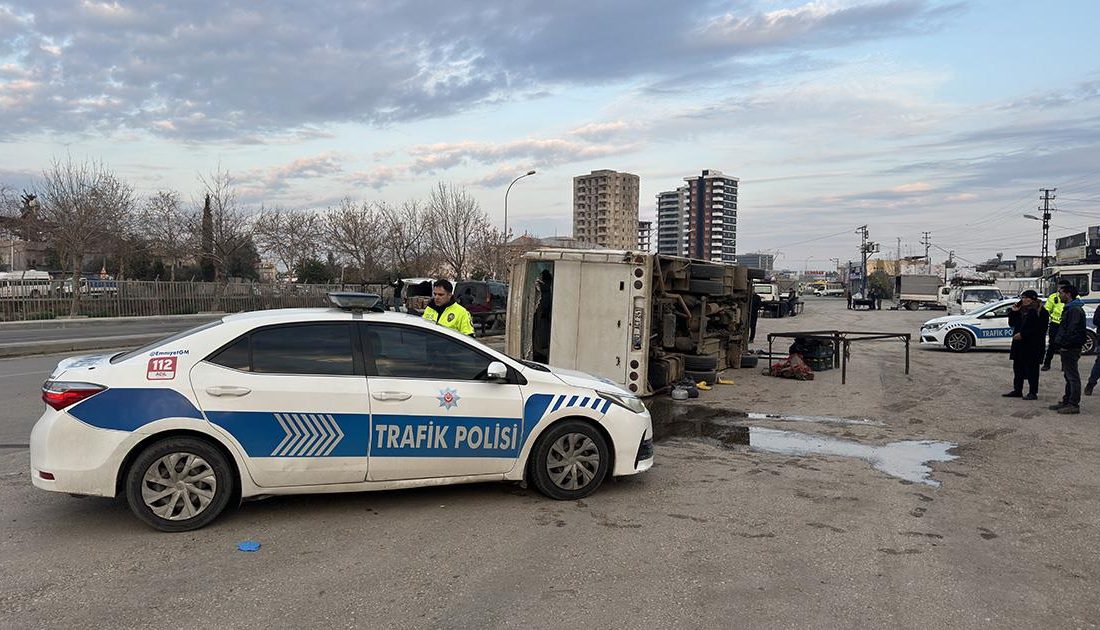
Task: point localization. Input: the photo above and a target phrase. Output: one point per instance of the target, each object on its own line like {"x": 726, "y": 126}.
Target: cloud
{"x": 519, "y": 154}
{"x": 261, "y": 184}
{"x": 226, "y": 70}
{"x": 377, "y": 177}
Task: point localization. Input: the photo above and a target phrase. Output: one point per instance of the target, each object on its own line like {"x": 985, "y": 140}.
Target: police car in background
{"x": 343, "y": 399}
{"x": 984, "y": 327}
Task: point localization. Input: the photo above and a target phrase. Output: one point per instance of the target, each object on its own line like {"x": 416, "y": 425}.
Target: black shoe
{"x": 1013, "y": 394}
{"x": 1069, "y": 409}
{"x": 1057, "y": 406}
{"x": 1088, "y": 389}
{"x": 1045, "y": 368}
{"x": 1031, "y": 397}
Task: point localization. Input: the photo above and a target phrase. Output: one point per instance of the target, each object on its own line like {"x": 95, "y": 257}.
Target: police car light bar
{"x": 350, "y": 301}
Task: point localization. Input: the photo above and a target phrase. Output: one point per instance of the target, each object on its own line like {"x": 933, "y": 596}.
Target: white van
{"x": 33, "y": 284}
{"x": 965, "y": 299}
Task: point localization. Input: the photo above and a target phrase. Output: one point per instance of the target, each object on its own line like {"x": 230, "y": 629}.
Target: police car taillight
{"x": 62, "y": 394}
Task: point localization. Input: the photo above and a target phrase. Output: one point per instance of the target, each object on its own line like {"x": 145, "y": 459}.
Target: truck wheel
{"x": 179, "y": 484}
{"x": 569, "y": 461}
{"x": 958, "y": 341}
{"x": 911, "y": 306}
{"x": 706, "y": 272}
{"x": 709, "y": 287}
{"x": 700, "y": 363}
{"x": 710, "y": 377}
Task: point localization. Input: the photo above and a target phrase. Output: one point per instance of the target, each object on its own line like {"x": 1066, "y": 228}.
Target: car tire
{"x": 700, "y": 363}
{"x": 710, "y": 377}
{"x": 958, "y": 340}
{"x": 709, "y": 287}
{"x": 569, "y": 461}
{"x": 171, "y": 466}
{"x": 1090, "y": 343}
{"x": 703, "y": 271}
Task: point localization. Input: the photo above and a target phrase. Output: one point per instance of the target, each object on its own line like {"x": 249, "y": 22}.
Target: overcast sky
{"x": 905, "y": 115}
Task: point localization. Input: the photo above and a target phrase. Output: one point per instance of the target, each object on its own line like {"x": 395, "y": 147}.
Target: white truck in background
{"x": 913, "y": 291}
{"x": 640, "y": 320}
{"x": 964, "y": 299}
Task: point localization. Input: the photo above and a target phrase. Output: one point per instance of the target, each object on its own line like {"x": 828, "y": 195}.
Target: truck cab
{"x": 964, "y": 299}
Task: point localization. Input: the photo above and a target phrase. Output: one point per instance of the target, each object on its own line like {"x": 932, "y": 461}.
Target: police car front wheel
{"x": 570, "y": 460}
{"x": 179, "y": 484}
{"x": 958, "y": 341}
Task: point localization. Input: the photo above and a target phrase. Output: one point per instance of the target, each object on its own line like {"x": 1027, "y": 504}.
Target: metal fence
{"x": 142, "y": 298}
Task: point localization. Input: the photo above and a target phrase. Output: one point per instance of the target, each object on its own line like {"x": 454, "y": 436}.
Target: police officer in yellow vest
{"x": 1054, "y": 307}
{"x": 447, "y": 312}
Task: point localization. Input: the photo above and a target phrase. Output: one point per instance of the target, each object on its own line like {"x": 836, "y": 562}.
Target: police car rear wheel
{"x": 571, "y": 461}
{"x": 179, "y": 484}
{"x": 958, "y": 341}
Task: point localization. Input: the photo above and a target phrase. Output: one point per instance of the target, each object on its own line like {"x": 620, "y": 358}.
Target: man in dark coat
{"x": 1070, "y": 339}
{"x": 755, "y": 304}
{"x": 1029, "y": 327}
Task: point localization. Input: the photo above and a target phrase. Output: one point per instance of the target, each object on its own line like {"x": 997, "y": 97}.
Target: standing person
{"x": 848, "y": 294}
{"x": 1029, "y": 326}
{"x": 1094, "y": 376}
{"x": 398, "y": 295}
{"x": 755, "y": 303}
{"x": 445, "y": 311}
{"x": 1054, "y": 307}
{"x": 1070, "y": 339}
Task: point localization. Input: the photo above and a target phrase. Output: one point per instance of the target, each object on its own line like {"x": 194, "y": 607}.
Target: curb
{"x": 83, "y": 322}
{"x": 54, "y": 346}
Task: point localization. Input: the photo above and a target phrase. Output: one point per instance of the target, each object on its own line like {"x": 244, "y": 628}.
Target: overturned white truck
{"x": 640, "y": 320}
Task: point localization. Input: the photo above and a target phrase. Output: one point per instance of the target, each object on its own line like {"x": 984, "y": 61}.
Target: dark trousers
{"x": 1094, "y": 376}
{"x": 1025, "y": 369}
{"x": 1051, "y": 348}
{"x": 752, "y": 326}
{"x": 1070, "y": 371}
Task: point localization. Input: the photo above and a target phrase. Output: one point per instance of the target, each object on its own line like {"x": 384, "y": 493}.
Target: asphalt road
{"x": 20, "y": 389}
{"x": 718, "y": 534}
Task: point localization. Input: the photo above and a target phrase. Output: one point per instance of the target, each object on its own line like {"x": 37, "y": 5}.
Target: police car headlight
{"x": 931, "y": 327}
{"x": 630, "y": 403}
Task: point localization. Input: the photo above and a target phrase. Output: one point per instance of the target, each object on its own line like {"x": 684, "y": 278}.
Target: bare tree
{"x": 168, "y": 227}
{"x": 457, "y": 226}
{"x": 288, "y": 236}
{"x": 491, "y": 255}
{"x": 355, "y": 234}
{"x": 223, "y": 228}
{"x": 83, "y": 206}
{"x": 407, "y": 248}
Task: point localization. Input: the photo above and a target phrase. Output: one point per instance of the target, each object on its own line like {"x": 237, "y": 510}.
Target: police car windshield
{"x": 118, "y": 358}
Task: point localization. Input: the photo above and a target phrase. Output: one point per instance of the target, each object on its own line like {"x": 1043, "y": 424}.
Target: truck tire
{"x": 710, "y": 377}
{"x": 749, "y": 361}
{"x": 703, "y": 271}
{"x": 911, "y": 306}
{"x": 709, "y": 287}
{"x": 700, "y": 363}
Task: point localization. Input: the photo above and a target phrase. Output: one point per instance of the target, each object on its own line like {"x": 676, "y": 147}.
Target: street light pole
{"x": 528, "y": 173}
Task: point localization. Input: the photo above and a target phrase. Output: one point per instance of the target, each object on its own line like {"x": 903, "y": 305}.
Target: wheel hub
{"x": 179, "y": 486}
{"x": 573, "y": 461}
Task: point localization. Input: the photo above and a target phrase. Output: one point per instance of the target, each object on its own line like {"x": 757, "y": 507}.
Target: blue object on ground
{"x": 248, "y": 545}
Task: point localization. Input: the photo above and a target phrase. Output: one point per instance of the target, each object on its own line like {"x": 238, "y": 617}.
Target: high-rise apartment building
{"x": 645, "y": 235}
{"x": 712, "y": 216}
{"x": 672, "y": 222}
{"x": 605, "y": 209}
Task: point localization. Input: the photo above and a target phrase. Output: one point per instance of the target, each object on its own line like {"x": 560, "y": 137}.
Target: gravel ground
{"x": 718, "y": 534}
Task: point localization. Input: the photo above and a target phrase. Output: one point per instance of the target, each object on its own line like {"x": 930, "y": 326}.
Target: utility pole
{"x": 926, "y": 240}
{"x": 866, "y": 248}
{"x": 1046, "y": 199}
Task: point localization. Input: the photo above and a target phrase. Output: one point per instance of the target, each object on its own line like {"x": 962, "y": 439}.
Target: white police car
{"x": 297, "y": 401}
{"x": 984, "y": 327}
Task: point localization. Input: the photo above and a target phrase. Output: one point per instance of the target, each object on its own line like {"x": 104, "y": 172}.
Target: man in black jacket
{"x": 1070, "y": 339}
{"x": 1029, "y": 325}
{"x": 1094, "y": 376}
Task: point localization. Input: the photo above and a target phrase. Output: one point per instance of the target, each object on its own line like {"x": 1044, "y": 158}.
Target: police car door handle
{"x": 391, "y": 396}
{"x": 227, "y": 390}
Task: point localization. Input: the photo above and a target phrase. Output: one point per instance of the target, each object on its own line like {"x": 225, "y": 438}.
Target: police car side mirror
{"x": 497, "y": 372}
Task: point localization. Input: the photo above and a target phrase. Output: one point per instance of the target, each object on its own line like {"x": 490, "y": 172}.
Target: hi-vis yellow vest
{"x": 1054, "y": 306}
{"x": 455, "y": 317}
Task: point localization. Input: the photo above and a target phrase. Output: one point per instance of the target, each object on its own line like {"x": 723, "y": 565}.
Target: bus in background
{"x": 18, "y": 284}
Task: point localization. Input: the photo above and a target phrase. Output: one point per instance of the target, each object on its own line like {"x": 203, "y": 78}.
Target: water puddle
{"x": 818, "y": 419}
{"x": 907, "y": 460}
